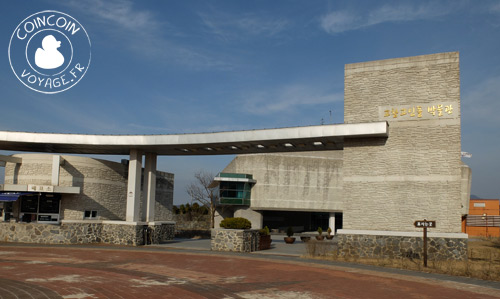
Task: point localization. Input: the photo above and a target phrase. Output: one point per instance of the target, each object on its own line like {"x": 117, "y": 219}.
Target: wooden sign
{"x": 425, "y": 223}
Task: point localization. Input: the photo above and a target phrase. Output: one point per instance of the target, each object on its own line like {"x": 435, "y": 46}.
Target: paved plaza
{"x": 37, "y": 271}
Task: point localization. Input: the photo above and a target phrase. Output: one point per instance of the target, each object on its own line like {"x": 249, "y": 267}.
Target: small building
{"x": 72, "y": 199}
{"x": 483, "y": 219}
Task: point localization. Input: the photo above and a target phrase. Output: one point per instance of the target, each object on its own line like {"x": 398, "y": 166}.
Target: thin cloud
{"x": 142, "y": 32}
{"x": 288, "y": 98}
{"x": 495, "y": 8}
{"x": 229, "y": 27}
{"x": 345, "y": 20}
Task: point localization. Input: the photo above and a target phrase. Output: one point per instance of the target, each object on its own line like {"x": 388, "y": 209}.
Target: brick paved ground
{"x": 107, "y": 272}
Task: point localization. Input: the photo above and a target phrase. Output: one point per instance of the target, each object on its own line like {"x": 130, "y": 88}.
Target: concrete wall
{"x": 416, "y": 172}
{"x": 253, "y": 216}
{"x": 103, "y": 185}
{"x": 309, "y": 181}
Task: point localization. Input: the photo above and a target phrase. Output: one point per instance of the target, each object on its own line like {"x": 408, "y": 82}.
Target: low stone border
{"x": 378, "y": 246}
{"x": 115, "y": 232}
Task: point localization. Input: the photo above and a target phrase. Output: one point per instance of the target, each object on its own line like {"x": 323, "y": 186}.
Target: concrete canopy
{"x": 323, "y": 137}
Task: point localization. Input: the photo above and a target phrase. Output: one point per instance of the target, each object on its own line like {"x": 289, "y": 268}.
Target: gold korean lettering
{"x": 440, "y": 110}
{"x": 387, "y": 113}
{"x": 411, "y": 111}
{"x": 394, "y": 113}
{"x": 432, "y": 110}
{"x": 419, "y": 111}
{"x": 448, "y": 109}
{"x": 403, "y": 112}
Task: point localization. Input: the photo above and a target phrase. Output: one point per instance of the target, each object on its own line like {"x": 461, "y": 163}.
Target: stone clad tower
{"x": 416, "y": 173}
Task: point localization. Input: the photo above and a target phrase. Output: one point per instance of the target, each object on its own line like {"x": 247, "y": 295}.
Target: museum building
{"x": 395, "y": 160}
{"x": 370, "y": 190}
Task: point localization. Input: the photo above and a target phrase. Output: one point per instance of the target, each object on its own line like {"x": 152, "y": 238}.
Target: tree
{"x": 203, "y": 191}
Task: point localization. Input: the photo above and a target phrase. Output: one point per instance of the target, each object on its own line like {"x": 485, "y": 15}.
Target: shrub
{"x": 329, "y": 231}
{"x": 289, "y": 231}
{"x": 320, "y": 231}
{"x": 236, "y": 223}
{"x": 264, "y": 231}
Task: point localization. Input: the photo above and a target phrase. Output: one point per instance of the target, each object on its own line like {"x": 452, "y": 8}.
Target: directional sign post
{"x": 425, "y": 224}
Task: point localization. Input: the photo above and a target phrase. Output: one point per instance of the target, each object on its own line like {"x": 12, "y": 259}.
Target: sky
{"x": 168, "y": 67}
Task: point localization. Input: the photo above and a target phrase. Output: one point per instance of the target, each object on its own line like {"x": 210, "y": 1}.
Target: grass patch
{"x": 483, "y": 260}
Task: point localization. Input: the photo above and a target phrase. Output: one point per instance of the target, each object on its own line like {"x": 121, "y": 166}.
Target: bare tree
{"x": 205, "y": 192}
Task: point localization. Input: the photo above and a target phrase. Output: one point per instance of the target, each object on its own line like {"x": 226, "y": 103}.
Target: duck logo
{"x": 49, "y": 52}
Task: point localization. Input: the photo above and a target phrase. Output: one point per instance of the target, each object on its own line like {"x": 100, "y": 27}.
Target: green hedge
{"x": 236, "y": 223}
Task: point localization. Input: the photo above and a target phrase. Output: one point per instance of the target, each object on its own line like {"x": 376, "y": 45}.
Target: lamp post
{"x": 485, "y": 218}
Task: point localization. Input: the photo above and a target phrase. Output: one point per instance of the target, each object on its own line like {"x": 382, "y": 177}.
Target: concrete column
{"x": 56, "y": 162}
{"x": 331, "y": 222}
{"x": 254, "y": 216}
{"x": 148, "y": 211}
{"x": 134, "y": 186}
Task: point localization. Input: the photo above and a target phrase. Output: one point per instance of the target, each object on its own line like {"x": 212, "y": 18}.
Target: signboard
{"x": 44, "y": 218}
{"x": 425, "y": 223}
{"x": 40, "y": 188}
{"x": 417, "y": 111}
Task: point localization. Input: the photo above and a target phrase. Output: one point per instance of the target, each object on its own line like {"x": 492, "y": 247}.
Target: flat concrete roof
{"x": 309, "y": 138}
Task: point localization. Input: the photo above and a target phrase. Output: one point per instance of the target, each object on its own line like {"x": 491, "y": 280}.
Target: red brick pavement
{"x": 69, "y": 272}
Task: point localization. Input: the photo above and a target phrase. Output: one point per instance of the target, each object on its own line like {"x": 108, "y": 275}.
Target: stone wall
{"x": 164, "y": 196}
{"x": 198, "y": 223}
{"x": 382, "y": 246}
{"x": 238, "y": 240}
{"x": 161, "y": 232}
{"x": 84, "y": 233}
{"x": 415, "y": 173}
{"x": 198, "y": 227}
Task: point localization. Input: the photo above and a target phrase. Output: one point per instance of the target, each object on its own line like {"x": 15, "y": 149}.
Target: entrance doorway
{"x": 299, "y": 221}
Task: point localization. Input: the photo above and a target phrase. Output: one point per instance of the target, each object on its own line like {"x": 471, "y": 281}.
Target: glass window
{"x": 89, "y": 214}
{"x": 29, "y": 204}
{"x": 49, "y": 205}
{"x": 43, "y": 208}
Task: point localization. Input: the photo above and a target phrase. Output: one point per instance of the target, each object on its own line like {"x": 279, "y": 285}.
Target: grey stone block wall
{"x": 373, "y": 246}
{"x": 416, "y": 172}
{"x": 164, "y": 196}
{"x": 238, "y": 240}
{"x": 198, "y": 223}
{"x": 161, "y": 233}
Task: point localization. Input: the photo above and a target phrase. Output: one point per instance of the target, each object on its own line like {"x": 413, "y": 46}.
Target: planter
{"x": 305, "y": 239}
{"x": 289, "y": 240}
{"x": 265, "y": 242}
{"x": 329, "y": 237}
{"x": 320, "y": 238}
